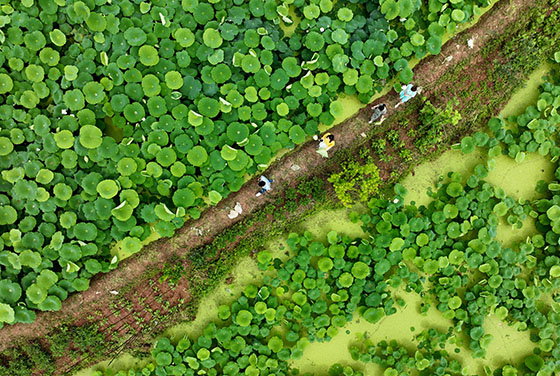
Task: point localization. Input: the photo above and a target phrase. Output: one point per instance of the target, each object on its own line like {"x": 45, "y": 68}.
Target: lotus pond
{"x": 461, "y": 285}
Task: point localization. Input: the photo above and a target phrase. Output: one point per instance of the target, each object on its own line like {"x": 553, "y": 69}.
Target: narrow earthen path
{"x": 214, "y": 220}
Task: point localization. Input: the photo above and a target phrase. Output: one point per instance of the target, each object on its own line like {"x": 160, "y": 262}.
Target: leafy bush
{"x": 356, "y": 181}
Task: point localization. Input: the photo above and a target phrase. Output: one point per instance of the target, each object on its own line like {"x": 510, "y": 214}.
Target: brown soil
{"x": 141, "y": 270}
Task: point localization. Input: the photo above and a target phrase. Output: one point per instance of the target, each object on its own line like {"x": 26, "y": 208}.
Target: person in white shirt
{"x": 265, "y": 184}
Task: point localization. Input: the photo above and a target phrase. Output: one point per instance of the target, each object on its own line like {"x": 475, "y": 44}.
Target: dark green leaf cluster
{"x": 123, "y": 117}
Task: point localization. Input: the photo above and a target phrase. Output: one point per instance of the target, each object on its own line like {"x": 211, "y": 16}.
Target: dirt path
{"x": 101, "y": 294}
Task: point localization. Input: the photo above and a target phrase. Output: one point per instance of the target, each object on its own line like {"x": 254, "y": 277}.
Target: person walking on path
{"x": 379, "y": 111}
{"x": 326, "y": 143}
{"x": 265, "y": 184}
{"x": 407, "y": 93}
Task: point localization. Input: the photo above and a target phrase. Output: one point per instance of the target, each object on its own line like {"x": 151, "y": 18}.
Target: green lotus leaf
{"x": 11, "y": 291}
{"x": 197, "y": 156}
{"x": 70, "y": 74}
{"x": 228, "y": 153}
{"x": 360, "y": 270}
{"x": 417, "y": 39}
{"x": 127, "y": 166}
{"x": 282, "y": 109}
{"x": 57, "y": 37}
{"x": 250, "y": 64}
{"x": 203, "y": 12}
{"x": 237, "y": 132}
{"x": 314, "y": 41}
{"x": 184, "y": 37}
{"x": 96, "y": 22}
{"x": 184, "y": 197}
{"x": 297, "y": 134}
{"x": 406, "y": 7}
{"x": 390, "y": 9}
{"x": 212, "y": 38}
{"x": 29, "y": 99}
{"x": 458, "y": 15}
{"x": 244, "y": 318}
{"x": 350, "y": 77}
{"x": 122, "y": 212}
{"x": 118, "y": 102}
{"x": 107, "y": 188}
{"x": 6, "y": 83}
{"x": 345, "y": 14}
{"x": 275, "y": 344}
{"x": 80, "y": 284}
{"x": 157, "y": 106}
{"x": 240, "y": 162}
{"x": 6, "y": 314}
{"x": 94, "y": 92}
{"x": 34, "y": 73}
{"x": 291, "y": 66}
{"x": 364, "y": 84}
{"x": 311, "y": 11}
{"x": 6, "y": 146}
{"x": 373, "y": 315}
{"x": 151, "y": 86}
{"x": 314, "y": 109}
{"x": 148, "y": 55}
{"x": 36, "y": 294}
{"x": 336, "y": 109}
{"x": 62, "y": 191}
{"x": 34, "y": 40}
{"x": 534, "y": 362}
{"x": 51, "y": 303}
{"x": 64, "y": 139}
{"x": 454, "y": 303}
{"x": 208, "y": 107}
{"x": 8, "y": 215}
{"x": 221, "y": 73}
{"x": 134, "y": 112}
{"x": 136, "y": 37}
{"x": 433, "y": 45}
{"x": 467, "y": 145}
{"x": 254, "y": 146}
{"x": 339, "y": 36}
{"x": 85, "y": 231}
{"x": 90, "y": 136}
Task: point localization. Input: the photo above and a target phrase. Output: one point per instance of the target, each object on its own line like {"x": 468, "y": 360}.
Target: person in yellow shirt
{"x": 326, "y": 143}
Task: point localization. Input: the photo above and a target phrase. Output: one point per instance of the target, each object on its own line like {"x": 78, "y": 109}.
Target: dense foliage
{"x": 446, "y": 251}
{"x": 124, "y": 117}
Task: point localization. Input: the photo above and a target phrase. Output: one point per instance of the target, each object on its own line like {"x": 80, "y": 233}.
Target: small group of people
{"x": 327, "y": 140}
{"x": 407, "y": 93}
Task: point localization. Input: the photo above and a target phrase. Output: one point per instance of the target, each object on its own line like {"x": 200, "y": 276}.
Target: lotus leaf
{"x": 373, "y": 315}
{"x": 107, "y": 188}
{"x": 250, "y": 64}
{"x": 212, "y": 38}
{"x": 6, "y": 314}
{"x": 390, "y": 9}
{"x": 197, "y": 156}
{"x": 534, "y": 362}
{"x": 148, "y": 55}
{"x": 6, "y": 83}
{"x": 433, "y": 45}
{"x": 244, "y": 318}
{"x": 314, "y": 41}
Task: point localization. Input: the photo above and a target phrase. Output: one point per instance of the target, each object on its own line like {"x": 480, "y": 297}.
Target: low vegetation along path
{"x": 104, "y": 289}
